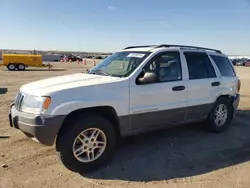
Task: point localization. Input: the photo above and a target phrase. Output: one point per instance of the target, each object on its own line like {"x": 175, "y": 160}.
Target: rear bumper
{"x": 43, "y": 128}
{"x": 235, "y": 103}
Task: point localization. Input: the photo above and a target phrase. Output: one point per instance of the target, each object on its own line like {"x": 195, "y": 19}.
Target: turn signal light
{"x": 46, "y": 103}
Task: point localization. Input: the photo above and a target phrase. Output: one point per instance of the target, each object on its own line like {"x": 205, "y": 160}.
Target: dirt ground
{"x": 179, "y": 157}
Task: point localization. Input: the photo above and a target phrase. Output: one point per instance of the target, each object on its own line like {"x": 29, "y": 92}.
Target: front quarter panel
{"x": 115, "y": 95}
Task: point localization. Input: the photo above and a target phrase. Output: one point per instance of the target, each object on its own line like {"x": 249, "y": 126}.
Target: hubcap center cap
{"x": 90, "y": 145}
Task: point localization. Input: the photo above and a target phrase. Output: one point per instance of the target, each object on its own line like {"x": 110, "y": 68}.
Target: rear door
{"x": 203, "y": 85}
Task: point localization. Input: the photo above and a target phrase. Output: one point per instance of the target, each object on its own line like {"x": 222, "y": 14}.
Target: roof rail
{"x": 184, "y": 46}
{"x": 145, "y": 46}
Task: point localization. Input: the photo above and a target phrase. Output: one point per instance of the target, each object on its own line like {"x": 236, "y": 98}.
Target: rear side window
{"x": 224, "y": 65}
{"x": 199, "y": 65}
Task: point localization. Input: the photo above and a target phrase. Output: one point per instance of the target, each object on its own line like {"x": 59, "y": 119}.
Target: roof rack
{"x": 184, "y": 46}
{"x": 145, "y": 46}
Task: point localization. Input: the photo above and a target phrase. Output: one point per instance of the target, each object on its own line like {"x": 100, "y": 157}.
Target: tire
{"x": 21, "y": 67}
{"x": 222, "y": 125}
{"x": 11, "y": 67}
{"x": 67, "y": 140}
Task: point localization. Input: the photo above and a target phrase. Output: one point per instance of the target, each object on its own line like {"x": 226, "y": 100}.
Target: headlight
{"x": 35, "y": 105}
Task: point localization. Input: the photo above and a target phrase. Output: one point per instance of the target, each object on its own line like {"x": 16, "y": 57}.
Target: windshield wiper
{"x": 99, "y": 72}
{"x": 104, "y": 73}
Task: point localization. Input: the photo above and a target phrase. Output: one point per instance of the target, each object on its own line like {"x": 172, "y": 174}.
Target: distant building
{"x": 239, "y": 57}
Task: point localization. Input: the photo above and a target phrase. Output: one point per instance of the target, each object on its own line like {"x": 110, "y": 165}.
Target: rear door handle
{"x": 178, "y": 88}
{"x": 215, "y": 83}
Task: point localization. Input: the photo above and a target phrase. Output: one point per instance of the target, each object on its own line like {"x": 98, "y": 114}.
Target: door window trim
{"x": 231, "y": 65}
{"x": 154, "y": 58}
{"x": 204, "y": 53}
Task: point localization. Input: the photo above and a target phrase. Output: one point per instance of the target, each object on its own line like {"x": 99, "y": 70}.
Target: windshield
{"x": 120, "y": 64}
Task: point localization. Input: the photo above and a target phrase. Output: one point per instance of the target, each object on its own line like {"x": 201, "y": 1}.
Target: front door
{"x": 161, "y": 102}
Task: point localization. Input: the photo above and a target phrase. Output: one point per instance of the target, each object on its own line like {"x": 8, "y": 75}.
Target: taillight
{"x": 239, "y": 85}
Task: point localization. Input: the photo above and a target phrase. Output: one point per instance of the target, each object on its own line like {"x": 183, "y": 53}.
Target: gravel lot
{"x": 184, "y": 156}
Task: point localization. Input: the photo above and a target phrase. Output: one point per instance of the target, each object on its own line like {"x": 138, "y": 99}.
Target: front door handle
{"x": 215, "y": 83}
{"x": 178, "y": 88}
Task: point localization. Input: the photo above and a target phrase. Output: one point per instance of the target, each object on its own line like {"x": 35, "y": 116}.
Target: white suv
{"x": 137, "y": 89}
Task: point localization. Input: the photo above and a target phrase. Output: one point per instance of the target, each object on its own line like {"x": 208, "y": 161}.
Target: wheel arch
{"x": 107, "y": 112}
{"x": 230, "y": 99}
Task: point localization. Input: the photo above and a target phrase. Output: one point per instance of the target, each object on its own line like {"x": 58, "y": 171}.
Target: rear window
{"x": 224, "y": 65}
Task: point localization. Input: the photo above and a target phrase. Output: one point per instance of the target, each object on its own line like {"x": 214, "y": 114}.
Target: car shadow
{"x": 3, "y": 91}
{"x": 178, "y": 152}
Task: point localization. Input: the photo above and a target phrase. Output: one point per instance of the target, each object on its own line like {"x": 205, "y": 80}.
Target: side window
{"x": 199, "y": 65}
{"x": 224, "y": 65}
{"x": 167, "y": 66}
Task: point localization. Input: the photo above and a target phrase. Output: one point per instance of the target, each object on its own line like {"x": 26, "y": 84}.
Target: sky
{"x": 110, "y": 25}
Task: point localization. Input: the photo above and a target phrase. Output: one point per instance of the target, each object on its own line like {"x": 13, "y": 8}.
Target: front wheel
{"x": 88, "y": 145}
{"x": 220, "y": 116}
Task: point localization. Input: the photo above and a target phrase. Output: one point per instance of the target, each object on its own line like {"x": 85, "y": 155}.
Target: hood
{"x": 50, "y": 85}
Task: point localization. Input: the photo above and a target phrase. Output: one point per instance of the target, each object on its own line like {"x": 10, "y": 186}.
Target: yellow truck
{"x": 22, "y": 61}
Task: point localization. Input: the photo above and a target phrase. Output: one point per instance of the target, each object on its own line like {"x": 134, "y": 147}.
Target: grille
{"x": 19, "y": 100}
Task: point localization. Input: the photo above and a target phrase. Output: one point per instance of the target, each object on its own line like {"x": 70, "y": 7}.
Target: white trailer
{"x": 51, "y": 57}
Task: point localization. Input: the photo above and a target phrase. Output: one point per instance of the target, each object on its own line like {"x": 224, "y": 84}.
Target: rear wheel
{"x": 21, "y": 66}
{"x": 220, "y": 116}
{"x": 11, "y": 66}
{"x": 88, "y": 145}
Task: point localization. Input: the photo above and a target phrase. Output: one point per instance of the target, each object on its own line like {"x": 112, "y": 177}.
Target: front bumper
{"x": 43, "y": 128}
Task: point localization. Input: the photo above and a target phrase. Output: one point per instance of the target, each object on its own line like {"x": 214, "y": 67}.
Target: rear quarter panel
{"x": 229, "y": 84}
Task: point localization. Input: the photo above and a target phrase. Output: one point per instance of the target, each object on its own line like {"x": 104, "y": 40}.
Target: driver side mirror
{"x": 147, "y": 77}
